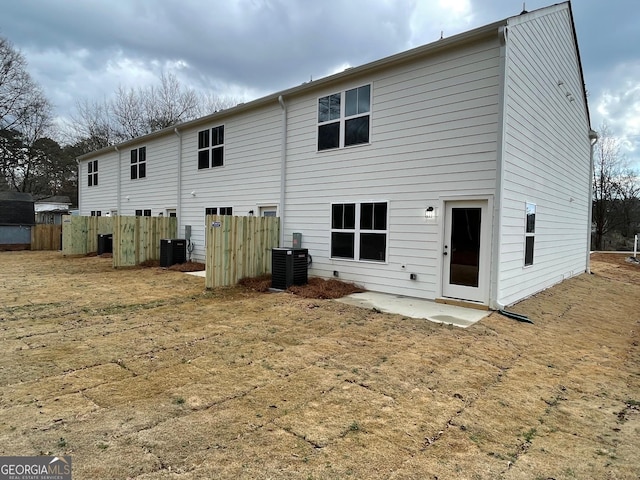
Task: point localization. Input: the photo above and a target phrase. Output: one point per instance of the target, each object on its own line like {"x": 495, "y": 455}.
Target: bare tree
{"x": 20, "y": 96}
{"x": 131, "y": 113}
{"x": 627, "y": 203}
{"x": 28, "y": 168}
{"x": 91, "y": 126}
{"x": 210, "y": 103}
{"x": 127, "y": 113}
{"x": 615, "y": 190}
{"x": 169, "y": 104}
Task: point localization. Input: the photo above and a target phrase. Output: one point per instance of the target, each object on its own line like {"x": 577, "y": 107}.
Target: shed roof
{"x": 16, "y": 196}
{"x": 55, "y": 199}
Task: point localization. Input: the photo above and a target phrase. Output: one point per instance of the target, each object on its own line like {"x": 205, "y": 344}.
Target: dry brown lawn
{"x": 142, "y": 374}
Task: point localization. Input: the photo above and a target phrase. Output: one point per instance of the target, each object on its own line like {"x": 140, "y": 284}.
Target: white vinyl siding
{"x": 101, "y": 197}
{"x": 439, "y": 118}
{"x": 546, "y": 156}
{"x": 158, "y": 190}
{"x": 250, "y": 176}
{"x": 433, "y": 134}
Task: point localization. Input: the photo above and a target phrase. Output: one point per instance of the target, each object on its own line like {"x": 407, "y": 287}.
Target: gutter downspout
{"x": 283, "y": 166}
{"x": 494, "y": 283}
{"x": 118, "y": 191}
{"x": 593, "y": 138}
{"x": 179, "y": 180}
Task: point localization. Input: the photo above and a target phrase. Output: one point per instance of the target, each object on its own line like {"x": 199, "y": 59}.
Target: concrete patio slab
{"x": 416, "y": 308}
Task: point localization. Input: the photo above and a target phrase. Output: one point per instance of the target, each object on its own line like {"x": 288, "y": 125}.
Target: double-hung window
{"x": 92, "y": 177}
{"x": 344, "y": 118}
{"x": 138, "y": 163}
{"x": 211, "y": 147}
{"x": 143, "y": 213}
{"x": 359, "y": 231}
{"x": 529, "y": 234}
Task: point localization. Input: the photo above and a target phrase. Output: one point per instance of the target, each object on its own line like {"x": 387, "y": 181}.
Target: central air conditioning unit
{"x": 105, "y": 243}
{"x": 172, "y": 251}
{"x": 289, "y": 266}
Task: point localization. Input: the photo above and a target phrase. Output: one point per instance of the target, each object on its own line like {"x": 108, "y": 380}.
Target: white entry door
{"x": 466, "y": 251}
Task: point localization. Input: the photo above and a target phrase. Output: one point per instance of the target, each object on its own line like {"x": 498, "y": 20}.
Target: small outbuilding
{"x": 50, "y": 210}
{"x": 17, "y": 216}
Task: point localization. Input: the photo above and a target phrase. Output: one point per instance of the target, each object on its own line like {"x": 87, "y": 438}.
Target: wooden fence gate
{"x": 239, "y": 247}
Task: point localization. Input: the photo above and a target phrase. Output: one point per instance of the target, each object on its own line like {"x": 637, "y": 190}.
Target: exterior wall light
{"x": 193, "y": 194}
{"x": 430, "y": 213}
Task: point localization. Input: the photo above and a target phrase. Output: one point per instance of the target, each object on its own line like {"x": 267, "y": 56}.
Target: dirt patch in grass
{"x": 315, "y": 288}
{"x": 324, "y": 289}
{"x": 188, "y": 267}
{"x": 257, "y": 284}
{"x": 143, "y": 374}
{"x": 178, "y": 267}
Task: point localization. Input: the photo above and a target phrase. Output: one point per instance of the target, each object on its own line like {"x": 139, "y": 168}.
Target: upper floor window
{"x": 92, "y": 177}
{"x": 359, "y": 231}
{"x": 344, "y": 118}
{"x": 138, "y": 163}
{"x": 211, "y": 147}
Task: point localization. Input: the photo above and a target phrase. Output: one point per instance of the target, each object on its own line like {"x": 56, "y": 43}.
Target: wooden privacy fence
{"x": 80, "y": 234}
{"x": 239, "y": 247}
{"x": 46, "y": 237}
{"x": 137, "y": 239}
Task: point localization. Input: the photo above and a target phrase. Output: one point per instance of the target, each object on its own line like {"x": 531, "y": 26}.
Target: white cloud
{"x": 618, "y": 106}
{"x": 447, "y": 17}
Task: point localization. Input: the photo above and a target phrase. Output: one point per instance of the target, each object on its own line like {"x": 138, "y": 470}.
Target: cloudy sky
{"x": 249, "y": 48}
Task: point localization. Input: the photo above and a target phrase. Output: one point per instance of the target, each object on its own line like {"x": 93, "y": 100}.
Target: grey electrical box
{"x": 297, "y": 240}
{"x": 187, "y": 232}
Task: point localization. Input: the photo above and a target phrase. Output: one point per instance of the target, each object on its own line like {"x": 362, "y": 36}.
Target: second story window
{"x": 344, "y": 118}
{"x": 211, "y": 147}
{"x": 92, "y": 177}
{"x": 138, "y": 163}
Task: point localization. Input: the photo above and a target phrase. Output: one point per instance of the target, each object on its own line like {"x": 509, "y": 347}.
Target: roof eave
{"x": 424, "y": 50}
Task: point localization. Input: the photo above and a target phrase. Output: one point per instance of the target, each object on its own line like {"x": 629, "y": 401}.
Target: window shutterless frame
{"x": 529, "y": 233}
{"x": 92, "y": 173}
{"x": 138, "y": 163}
{"x": 359, "y": 231}
{"x": 344, "y": 118}
{"x": 211, "y": 147}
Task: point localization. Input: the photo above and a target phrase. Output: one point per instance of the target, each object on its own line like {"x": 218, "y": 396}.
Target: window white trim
{"x": 343, "y": 118}
{"x": 92, "y": 173}
{"x": 211, "y": 140}
{"x": 358, "y": 231}
{"x": 138, "y": 163}
{"x": 529, "y": 233}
